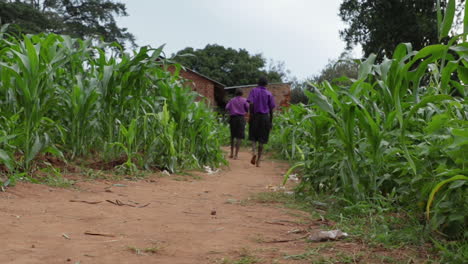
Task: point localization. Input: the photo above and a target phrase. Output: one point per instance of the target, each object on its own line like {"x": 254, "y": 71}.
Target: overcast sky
{"x": 304, "y": 34}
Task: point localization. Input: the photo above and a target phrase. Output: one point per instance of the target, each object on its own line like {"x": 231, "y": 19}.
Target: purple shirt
{"x": 262, "y": 100}
{"x": 238, "y": 106}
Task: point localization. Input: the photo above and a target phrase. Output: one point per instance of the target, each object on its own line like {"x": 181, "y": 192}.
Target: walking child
{"x": 237, "y": 108}
{"x": 262, "y": 104}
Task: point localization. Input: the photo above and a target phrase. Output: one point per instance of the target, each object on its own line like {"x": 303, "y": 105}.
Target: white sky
{"x": 301, "y": 33}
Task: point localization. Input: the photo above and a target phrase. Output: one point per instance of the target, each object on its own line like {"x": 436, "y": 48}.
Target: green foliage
{"x": 465, "y": 20}
{"x": 398, "y": 132}
{"x": 459, "y": 180}
{"x": 453, "y": 251}
{"x": 229, "y": 66}
{"x": 333, "y": 72}
{"x": 245, "y": 257}
{"x": 380, "y": 25}
{"x": 336, "y": 69}
{"x": 77, "y": 18}
{"x": 54, "y": 178}
{"x": 298, "y": 96}
{"x": 69, "y": 98}
{"x": 23, "y": 17}
{"x": 378, "y": 223}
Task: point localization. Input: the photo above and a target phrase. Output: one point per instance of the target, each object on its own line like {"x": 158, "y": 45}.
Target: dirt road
{"x": 188, "y": 220}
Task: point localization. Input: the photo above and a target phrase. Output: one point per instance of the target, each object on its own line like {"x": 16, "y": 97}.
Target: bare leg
{"x": 238, "y": 143}
{"x": 232, "y": 148}
{"x": 254, "y": 157}
{"x": 260, "y": 150}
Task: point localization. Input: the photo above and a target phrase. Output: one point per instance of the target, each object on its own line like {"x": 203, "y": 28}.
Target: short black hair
{"x": 262, "y": 81}
{"x": 239, "y": 92}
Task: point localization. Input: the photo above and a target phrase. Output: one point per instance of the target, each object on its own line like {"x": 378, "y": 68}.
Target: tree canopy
{"x": 333, "y": 72}
{"x": 229, "y": 66}
{"x": 77, "y": 18}
{"x": 380, "y": 25}
{"x": 335, "y": 69}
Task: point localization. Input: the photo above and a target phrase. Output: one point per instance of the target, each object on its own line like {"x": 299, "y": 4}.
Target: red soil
{"x": 189, "y": 221}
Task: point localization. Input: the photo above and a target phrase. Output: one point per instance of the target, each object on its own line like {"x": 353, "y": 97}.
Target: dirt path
{"x": 39, "y": 224}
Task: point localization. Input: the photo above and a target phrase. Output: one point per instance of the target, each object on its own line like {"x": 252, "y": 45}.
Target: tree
{"x": 277, "y": 71}
{"x": 380, "y": 25}
{"x": 332, "y": 72}
{"x": 297, "y": 91}
{"x": 22, "y": 17}
{"x": 77, "y": 18}
{"x": 342, "y": 67}
{"x": 229, "y": 66}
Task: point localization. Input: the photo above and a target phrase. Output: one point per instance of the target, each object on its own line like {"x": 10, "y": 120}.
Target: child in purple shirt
{"x": 262, "y": 104}
{"x": 237, "y": 108}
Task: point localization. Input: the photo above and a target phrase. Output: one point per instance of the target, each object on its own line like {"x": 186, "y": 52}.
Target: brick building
{"x": 217, "y": 94}
{"x": 281, "y": 92}
{"x": 208, "y": 88}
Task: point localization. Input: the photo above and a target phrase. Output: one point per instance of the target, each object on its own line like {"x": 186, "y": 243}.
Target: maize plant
{"x": 72, "y": 99}
{"x": 400, "y": 130}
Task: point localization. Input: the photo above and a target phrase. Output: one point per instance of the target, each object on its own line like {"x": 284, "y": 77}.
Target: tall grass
{"x": 72, "y": 99}
{"x": 397, "y": 131}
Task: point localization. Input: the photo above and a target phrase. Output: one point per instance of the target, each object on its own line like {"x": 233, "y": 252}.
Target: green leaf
{"x": 460, "y": 137}
{"x": 321, "y": 101}
{"x": 288, "y": 173}
{"x": 366, "y": 66}
{"x": 410, "y": 159}
{"x": 460, "y": 132}
{"x": 465, "y": 19}
{"x": 6, "y": 159}
{"x": 36, "y": 148}
{"x": 54, "y": 151}
{"x": 401, "y": 51}
{"x": 124, "y": 148}
{"x": 434, "y": 50}
{"x": 6, "y": 138}
{"x": 463, "y": 73}
{"x": 447, "y": 73}
{"x": 427, "y": 100}
{"x": 437, "y": 123}
{"x": 448, "y": 19}
{"x": 437, "y": 188}
{"x": 456, "y": 184}
{"x": 439, "y": 18}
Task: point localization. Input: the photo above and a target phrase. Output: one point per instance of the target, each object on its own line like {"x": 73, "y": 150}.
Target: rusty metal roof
{"x": 204, "y": 76}
{"x": 251, "y": 85}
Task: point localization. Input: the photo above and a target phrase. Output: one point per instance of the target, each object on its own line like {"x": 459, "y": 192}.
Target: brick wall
{"x": 200, "y": 85}
{"x": 214, "y": 94}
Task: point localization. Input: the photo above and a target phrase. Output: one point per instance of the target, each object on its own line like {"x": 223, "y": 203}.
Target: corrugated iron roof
{"x": 204, "y": 76}
{"x": 251, "y": 85}
{"x": 197, "y": 73}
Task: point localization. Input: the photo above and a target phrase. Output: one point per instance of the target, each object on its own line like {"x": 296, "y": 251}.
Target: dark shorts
{"x": 237, "y": 125}
{"x": 259, "y": 128}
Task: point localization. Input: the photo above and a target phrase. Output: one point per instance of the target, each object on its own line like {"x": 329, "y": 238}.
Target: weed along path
{"x": 225, "y": 217}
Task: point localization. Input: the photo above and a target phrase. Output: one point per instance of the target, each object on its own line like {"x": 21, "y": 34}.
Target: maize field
{"x": 399, "y": 133}
{"x": 74, "y": 99}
